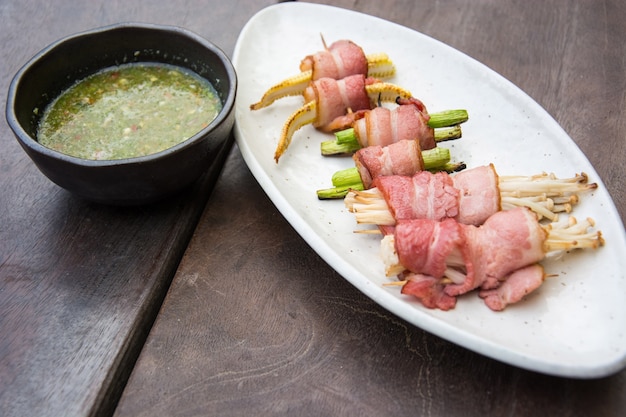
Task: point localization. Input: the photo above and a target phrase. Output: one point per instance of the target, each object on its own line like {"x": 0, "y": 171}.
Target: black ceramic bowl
{"x": 130, "y": 181}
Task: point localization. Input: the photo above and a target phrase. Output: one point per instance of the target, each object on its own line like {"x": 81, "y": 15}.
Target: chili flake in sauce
{"x": 128, "y": 111}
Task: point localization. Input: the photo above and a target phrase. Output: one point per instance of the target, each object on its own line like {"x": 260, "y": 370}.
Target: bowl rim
{"x": 27, "y": 140}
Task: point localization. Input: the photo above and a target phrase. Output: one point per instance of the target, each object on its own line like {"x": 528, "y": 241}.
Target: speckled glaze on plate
{"x": 574, "y": 325}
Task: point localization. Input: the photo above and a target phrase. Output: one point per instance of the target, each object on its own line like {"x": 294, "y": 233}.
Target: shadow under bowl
{"x": 131, "y": 181}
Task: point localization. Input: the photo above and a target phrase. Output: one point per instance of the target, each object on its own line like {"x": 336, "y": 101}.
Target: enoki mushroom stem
{"x": 572, "y": 235}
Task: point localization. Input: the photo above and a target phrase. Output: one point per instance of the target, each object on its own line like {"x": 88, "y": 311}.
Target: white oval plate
{"x": 574, "y": 325}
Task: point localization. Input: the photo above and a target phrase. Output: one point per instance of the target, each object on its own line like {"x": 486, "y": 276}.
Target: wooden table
{"x": 211, "y": 304}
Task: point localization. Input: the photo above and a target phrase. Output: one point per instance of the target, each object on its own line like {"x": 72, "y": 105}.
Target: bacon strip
{"x": 424, "y": 245}
{"x": 473, "y": 257}
{"x": 383, "y": 126}
{"x": 479, "y": 194}
{"x": 400, "y": 158}
{"x": 507, "y": 241}
{"x": 423, "y": 196}
{"x": 470, "y": 196}
{"x": 337, "y": 98}
{"x": 429, "y": 291}
{"x": 341, "y": 59}
{"x": 514, "y": 288}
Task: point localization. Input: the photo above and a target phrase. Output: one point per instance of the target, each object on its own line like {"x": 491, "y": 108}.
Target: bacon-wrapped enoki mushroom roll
{"x": 334, "y": 104}
{"x": 438, "y": 261}
{"x": 341, "y": 59}
{"x": 470, "y": 196}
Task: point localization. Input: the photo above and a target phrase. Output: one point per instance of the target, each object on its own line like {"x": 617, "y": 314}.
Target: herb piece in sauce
{"x": 129, "y": 111}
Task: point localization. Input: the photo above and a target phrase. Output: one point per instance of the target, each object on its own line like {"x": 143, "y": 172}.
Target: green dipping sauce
{"x": 129, "y": 111}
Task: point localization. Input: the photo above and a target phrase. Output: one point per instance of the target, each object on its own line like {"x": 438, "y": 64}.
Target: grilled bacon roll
{"x": 441, "y": 260}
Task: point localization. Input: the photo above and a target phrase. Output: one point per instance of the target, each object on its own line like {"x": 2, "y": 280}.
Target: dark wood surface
{"x": 80, "y": 284}
{"x": 255, "y": 323}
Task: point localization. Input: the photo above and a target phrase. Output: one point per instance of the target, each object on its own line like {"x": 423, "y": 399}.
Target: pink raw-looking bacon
{"x": 470, "y": 196}
{"x": 338, "y": 101}
{"x": 401, "y": 158}
{"x": 341, "y": 59}
{"x": 492, "y": 257}
{"x": 422, "y": 196}
{"x": 384, "y": 126}
{"x": 515, "y": 287}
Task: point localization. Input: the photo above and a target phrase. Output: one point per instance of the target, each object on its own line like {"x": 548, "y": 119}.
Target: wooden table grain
{"x": 249, "y": 320}
{"x": 255, "y": 323}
